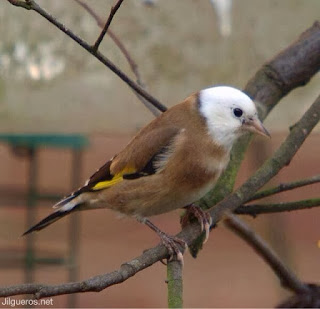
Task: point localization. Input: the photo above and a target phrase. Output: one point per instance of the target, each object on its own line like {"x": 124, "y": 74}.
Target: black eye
{"x": 237, "y": 112}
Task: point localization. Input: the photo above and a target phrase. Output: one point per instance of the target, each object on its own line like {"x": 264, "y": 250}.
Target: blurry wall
{"x": 48, "y": 83}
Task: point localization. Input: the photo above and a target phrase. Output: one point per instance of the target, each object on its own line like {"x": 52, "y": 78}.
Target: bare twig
{"x": 116, "y": 40}
{"x": 285, "y": 187}
{"x": 125, "y": 52}
{"x": 21, "y": 3}
{"x": 258, "y": 209}
{"x": 113, "y": 11}
{"x": 175, "y": 284}
{"x": 32, "y": 5}
{"x": 287, "y": 278}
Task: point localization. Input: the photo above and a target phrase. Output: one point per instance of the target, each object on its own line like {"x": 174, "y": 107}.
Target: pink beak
{"x": 256, "y": 126}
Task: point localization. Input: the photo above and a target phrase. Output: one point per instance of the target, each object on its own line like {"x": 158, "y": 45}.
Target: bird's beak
{"x": 256, "y": 126}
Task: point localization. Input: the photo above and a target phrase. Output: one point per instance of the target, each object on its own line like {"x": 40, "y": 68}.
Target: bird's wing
{"x": 143, "y": 156}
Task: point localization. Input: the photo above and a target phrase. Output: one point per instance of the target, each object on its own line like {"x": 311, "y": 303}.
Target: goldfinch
{"x": 171, "y": 163}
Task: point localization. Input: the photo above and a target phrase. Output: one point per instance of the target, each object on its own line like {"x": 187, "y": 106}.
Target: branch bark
{"x": 259, "y": 209}
{"x": 175, "y": 284}
{"x": 117, "y": 41}
{"x": 113, "y": 12}
{"x": 286, "y": 187}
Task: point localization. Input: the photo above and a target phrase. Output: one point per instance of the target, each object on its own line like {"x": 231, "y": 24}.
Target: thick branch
{"x": 287, "y": 278}
{"x": 291, "y": 68}
{"x": 286, "y": 187}
{"x": 32, "y": 5}
{"x": 113, "y": 11}
{"x": 258, "y": 209}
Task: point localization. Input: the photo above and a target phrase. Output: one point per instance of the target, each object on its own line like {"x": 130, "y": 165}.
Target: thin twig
{"x": 32, "y": 5}
{"x": 175, "y": 284}
{"x": 116, "y": 40}
{"x": 287, "y": 278}
{"x": 125, "y": 52}
{"x": 285, "y": 187}
{"x": 258, "y": 209}
{"x": 21, "y": 3}
{"x": 113, "y": 12}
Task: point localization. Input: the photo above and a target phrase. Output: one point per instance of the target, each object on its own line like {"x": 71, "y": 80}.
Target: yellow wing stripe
{"x": 116, "y": 179}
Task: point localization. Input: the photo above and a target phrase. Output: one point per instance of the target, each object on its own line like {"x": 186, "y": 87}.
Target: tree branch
{"x": 125, "y": 52}
{"x": 175, "y": 284}
{"x": 113, "y": 11}
{"x": 32, "y": 5}
{"x": 21, "y": 3}
{"x": 258, "y": 209}
{"x": 287, "y": 278}
{"x": 116, "y": 40}
{"x": 285, "y": 187}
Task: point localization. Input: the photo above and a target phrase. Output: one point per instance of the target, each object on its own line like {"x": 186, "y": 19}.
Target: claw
{"x": 203, "y": 218}
{"x": 207, "y": 231}
{"x": 172, "y": 243}
{"x": 180, "y": 258}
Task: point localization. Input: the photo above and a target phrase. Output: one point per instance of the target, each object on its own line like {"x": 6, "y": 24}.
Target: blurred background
{"x": 78, "y": 114}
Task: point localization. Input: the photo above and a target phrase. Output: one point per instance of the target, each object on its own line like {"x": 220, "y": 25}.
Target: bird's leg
{"x": 172, "y": 243}
{"x": 203, "y": 218}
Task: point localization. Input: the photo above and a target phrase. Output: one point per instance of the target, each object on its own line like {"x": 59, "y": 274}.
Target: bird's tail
{"x": 68, "y": 205}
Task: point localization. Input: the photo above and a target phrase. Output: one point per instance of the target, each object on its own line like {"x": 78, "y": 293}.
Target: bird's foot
{"x": 203, "y": 218}
{"x": 172, "y": 243}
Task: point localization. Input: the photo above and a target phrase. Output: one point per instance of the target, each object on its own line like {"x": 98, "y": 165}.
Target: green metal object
{"x": 71, "y": 141}
{"x": 27, "y": 145}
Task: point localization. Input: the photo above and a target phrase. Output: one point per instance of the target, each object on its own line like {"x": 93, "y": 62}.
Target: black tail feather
{"x": 48, "y": 220}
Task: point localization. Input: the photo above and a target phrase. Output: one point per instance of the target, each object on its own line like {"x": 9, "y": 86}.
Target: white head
{"x": 229, "y": 113}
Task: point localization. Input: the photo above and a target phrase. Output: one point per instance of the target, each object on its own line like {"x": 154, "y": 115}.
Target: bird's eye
{"x": 237, "y": 112}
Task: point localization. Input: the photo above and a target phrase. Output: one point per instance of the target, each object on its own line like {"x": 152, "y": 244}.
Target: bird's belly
{"x": 149, "y": 196}
{"x": 173, "y": 200}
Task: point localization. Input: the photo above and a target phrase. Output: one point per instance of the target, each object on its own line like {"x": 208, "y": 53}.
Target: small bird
{"x": 171, "y": 163}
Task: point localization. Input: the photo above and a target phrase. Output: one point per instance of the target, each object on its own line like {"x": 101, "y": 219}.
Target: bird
{"x": 170, "y": 163}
